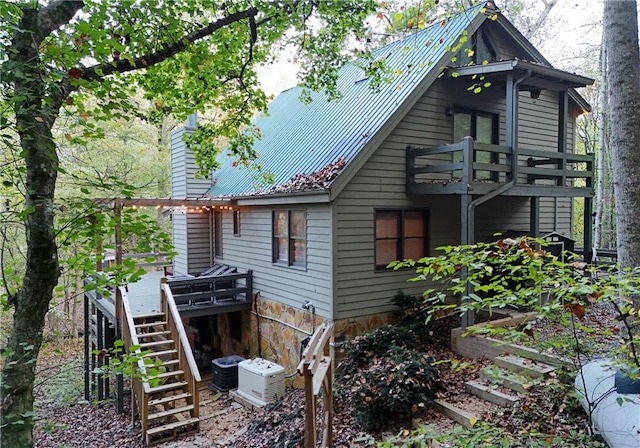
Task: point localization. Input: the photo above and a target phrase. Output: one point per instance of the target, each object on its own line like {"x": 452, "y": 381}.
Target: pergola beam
{"x": 164, "y": 202}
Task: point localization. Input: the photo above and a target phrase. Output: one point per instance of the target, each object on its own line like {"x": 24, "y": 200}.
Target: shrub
{"x": 391, "y": 388}
{"x": 385, "y": 377}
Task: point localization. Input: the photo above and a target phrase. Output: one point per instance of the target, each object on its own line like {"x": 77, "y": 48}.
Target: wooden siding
{"x": 191, "y": 231}
{"x": 192, "y": 240}
{"x": 179, "y": 232}
{"x": 380, "y": 183}
{"x": 252, "y": 249}
{"x": 183, "y": 169}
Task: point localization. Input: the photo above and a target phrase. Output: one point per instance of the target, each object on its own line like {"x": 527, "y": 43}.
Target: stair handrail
{"x": 131, "y": 337}
{"x": 172, "y": 312}
{"x": 185, "y": 353}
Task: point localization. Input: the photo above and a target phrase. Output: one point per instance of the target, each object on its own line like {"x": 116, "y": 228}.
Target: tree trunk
{"x": 623, "y": 62}
{"x": 35, "y": 115}
{"x": 602, "y": 225}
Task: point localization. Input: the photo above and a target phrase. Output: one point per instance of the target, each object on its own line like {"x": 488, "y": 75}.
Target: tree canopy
{"x": 94, "y": 61}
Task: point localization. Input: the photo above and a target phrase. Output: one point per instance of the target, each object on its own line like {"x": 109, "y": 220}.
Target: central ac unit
{"x": 260, "y": 381}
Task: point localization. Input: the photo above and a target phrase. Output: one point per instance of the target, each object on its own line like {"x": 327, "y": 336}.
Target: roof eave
{"x": 299, "y": 197}
{"x": 527, "y": 46}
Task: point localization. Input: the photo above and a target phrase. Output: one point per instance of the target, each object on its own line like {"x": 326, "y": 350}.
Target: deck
{"x": 194, "y": 296}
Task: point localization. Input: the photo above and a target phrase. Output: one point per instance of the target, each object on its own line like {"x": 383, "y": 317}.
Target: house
{"x": 474, "y": 134}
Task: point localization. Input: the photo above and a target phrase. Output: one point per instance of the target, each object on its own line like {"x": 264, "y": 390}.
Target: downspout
{"x": 514, "y": 162}
{"x": 468, "y": 316}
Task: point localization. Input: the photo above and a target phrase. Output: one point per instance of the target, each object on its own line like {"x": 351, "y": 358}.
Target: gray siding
{"x": 288, "y": 285}
{"x": 191, "y": 231}
{"x": 183, "y": 168}
{"x": 192, "y": 239}
{"x": 380, "y": 183}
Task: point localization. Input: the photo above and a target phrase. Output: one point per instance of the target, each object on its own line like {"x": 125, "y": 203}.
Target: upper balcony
{"x": 468, "y": 167}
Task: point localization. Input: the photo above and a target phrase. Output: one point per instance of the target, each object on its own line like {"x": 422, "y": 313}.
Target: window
{"x": 290, "y": 237}
{"x": 400, "y": 234}
{"x": 217, "y": 233}
{"x": 483, "y": 128}
{"x": 481, "y": 50}
{"x": 236, "y": 223}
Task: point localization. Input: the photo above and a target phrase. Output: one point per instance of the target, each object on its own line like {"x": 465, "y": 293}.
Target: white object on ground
{"x": 615, "y": 416}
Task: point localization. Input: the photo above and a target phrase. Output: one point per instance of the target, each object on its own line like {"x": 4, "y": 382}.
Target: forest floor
{"x": 66, "y": 420}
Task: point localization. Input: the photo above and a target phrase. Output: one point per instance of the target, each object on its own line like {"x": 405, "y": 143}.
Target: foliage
{"x": 91, "y": 61}
{"x": 386, "y": 377}
{"x": 520, "y": 274}
{"x": 127, "y": 362}
{"x": 549, "y": 416}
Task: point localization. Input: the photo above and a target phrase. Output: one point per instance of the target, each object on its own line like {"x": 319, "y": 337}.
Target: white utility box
{"x": 260, "y": 381}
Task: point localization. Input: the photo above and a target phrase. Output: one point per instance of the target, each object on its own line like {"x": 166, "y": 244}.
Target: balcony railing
{"x": 469, "y": 167}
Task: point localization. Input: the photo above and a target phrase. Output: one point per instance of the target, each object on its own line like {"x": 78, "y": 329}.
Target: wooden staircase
{"x": 166, "y": 399}
{"x": 502, "y": 384}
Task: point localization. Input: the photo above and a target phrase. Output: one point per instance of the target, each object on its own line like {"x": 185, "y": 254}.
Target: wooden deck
{"x": 200, "y": 298}
{"x": 144, "y": 295}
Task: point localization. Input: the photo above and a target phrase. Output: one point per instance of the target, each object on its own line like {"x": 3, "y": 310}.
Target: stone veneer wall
{"x": 282, "y": 329}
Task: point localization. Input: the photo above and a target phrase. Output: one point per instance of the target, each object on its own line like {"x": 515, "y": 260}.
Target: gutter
{"x": 514, "y": 163}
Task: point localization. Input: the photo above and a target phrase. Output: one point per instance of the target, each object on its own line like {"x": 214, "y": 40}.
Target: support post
{"x": 87, "y": 351}
{"x": 100, "y": 340}
{"x": 534, "y": 218}
{"x": 588, "y": 229}
{"x": 466, "y": 237}
{"x": 309, "y": 407}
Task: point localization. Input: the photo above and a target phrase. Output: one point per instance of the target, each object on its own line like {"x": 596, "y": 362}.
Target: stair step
{"x": 487, "y": 393}
{"x": 154, "y": 334}
{"x": 531, "y": 353}
{"x": 169, "y": 373}
{"x": 144, "y": 345}
{"x": 151, "y": 324}
{"x": 169, "y": 399}
{"x": 171, "y": 362}
{"x": 505, "y": 378}
{"x": 456, "y": 414}
{"x": 161, "y": 353}
{"x": 169, "y": 412}
{"x": 148, "y": 316}
{"x": 525, "y": 366}
{"x": 167, "y": 386}
{"x": 170, "y": 427}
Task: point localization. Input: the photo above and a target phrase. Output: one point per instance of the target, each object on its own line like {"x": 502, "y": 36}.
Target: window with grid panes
{"x": 290, "y": 237}
{"x": 399, "y": 235}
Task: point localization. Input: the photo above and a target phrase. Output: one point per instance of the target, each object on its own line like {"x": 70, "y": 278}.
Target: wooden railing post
{"x": 316, "y": 367}
{"x": 467, "y": 160}
{"x": 309, "y": 407}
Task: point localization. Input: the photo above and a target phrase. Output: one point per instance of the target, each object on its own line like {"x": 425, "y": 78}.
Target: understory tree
{"x": 90, "y": 60}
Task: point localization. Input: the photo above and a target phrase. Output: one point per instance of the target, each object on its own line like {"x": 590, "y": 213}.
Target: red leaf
{"x": 74, "y": 73}
{"x": 576, "y": 309}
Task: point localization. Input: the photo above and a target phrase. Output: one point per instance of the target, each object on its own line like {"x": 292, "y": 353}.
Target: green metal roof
{"x": 304, "y": 138}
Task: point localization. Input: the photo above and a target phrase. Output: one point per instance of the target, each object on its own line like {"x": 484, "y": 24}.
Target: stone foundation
{"x": 282, "y": 330}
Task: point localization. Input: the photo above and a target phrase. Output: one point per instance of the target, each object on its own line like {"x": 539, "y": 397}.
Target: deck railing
{"x": 139, "y": 384}
{"x": 187, "y": 361}
{"x": 469, "y": 162}
{"x": 213, "y": 290}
